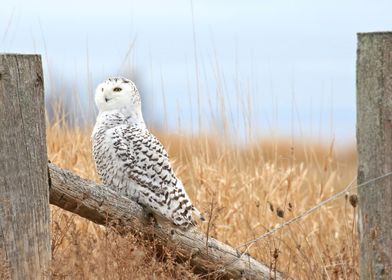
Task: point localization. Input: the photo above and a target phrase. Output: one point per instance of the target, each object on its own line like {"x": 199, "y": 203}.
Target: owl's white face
{"x": 117, "y": 93}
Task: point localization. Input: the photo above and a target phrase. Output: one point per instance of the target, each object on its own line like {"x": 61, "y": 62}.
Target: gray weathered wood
{"x": 374, "y": 140}
{"x": 101, "y": 205}
{"x": 24, "y": 198}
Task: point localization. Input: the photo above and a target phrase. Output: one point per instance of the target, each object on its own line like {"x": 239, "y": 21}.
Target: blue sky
{"x": 290, "y": 65}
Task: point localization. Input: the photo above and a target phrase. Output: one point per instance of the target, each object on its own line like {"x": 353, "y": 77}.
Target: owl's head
{"x": 117, "y": 93}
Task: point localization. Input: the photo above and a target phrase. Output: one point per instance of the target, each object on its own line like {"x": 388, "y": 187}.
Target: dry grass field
{"x": 245, "y": 191}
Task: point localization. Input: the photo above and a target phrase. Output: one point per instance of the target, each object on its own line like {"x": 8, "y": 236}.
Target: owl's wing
{"x": 146, "y": 162}
{"x": 144, "y": 157}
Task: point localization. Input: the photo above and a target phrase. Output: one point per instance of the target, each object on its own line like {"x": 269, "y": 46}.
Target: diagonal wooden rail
{"x": 102, "y": 206}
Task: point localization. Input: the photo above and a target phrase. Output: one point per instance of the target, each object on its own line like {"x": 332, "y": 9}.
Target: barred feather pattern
{"x": 133, "y": 162}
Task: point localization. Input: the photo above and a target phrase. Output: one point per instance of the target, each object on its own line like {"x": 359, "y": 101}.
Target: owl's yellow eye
{"x": 117, "y": 89}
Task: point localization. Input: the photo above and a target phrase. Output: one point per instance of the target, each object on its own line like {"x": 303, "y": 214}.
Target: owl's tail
{"x": 198, "y": 214}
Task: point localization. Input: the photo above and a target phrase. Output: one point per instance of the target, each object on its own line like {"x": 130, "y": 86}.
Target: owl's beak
{"x": 106, "y": 99}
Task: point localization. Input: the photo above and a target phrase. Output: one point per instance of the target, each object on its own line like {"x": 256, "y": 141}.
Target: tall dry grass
{"x": 246, "y": 191}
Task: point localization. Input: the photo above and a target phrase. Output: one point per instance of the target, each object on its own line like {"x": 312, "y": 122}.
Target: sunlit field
{"x": 245, "y": 189}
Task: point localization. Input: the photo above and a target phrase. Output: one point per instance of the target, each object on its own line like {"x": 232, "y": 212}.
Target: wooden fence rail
{"x": 103, "y": 206}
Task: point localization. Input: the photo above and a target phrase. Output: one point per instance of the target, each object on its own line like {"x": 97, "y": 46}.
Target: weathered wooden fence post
{"x": 374, "y": 140}
{"x": 24, "y": 192}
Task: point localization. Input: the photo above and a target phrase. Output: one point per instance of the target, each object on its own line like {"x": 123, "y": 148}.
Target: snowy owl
{"x": 130, "y": 160}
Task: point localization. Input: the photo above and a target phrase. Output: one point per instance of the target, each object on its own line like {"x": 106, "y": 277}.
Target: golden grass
{"x": 248, "y": 191}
